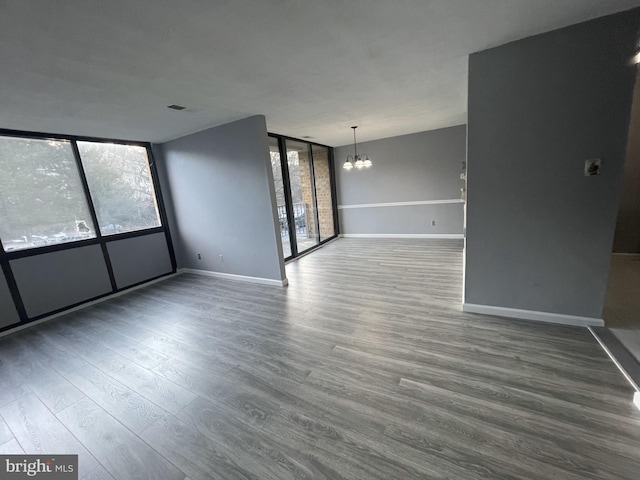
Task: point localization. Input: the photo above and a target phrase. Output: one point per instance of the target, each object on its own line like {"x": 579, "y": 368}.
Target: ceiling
{"x": 313, "y": 68}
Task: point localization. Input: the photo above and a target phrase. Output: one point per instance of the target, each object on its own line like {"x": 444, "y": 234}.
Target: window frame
{"x": 88, "y": 190}
{"x": 99, "y": 238}
{"x": 282, "y": 139}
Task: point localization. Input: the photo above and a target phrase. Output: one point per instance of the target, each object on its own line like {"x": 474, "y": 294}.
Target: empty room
{"x": 338, "y": 240}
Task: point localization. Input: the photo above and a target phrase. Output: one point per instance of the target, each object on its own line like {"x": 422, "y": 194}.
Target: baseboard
{"x": 88, "y": 304}
{"x": 619, "y": 354}
{"x": 451, "y": 236}
{"x": 231, "y": 276}
{"x": 401, "y": 204}
{"x": 533, "y": 315}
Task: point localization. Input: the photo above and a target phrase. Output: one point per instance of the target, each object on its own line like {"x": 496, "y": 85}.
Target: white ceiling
{"x": 313, "y": 67}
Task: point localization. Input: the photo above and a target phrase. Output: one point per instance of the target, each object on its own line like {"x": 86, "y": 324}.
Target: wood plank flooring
{"x": 363, "y": 368}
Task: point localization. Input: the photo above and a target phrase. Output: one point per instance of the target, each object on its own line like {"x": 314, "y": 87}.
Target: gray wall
{"x": 417, "y": 167}
{"x": 220, "y": 197}
{"x": 8, "y": 314}
{"x": 408, "y": 220}
{"x": 539, "y": 233}
{"x": 137, "y": 259}
{"x": 51, "y": 281}
{"x": 56, "y": 280}
{"x": 627, "y": 237}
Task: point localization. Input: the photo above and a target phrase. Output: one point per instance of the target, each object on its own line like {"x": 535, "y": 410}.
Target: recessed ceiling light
{"x": 176, "y": 107}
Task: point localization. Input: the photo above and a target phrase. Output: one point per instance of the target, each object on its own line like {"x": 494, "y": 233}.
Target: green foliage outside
{"x": 120, "y": 185}
{"x": 42, "y": 200}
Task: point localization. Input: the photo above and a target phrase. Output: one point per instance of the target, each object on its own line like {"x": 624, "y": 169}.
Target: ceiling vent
{"x": 176, "y": 107}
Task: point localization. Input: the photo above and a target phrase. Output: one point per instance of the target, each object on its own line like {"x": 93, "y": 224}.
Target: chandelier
{"x": 358, "y": 161}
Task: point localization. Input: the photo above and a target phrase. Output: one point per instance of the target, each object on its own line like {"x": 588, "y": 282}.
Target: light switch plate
{"x": 592, "y": 167}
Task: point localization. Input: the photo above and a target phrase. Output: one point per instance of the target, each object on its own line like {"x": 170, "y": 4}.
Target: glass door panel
{"x": 278, "y": 180}
{"x": 302, "y": 194}
{"x": 324, "y": 200}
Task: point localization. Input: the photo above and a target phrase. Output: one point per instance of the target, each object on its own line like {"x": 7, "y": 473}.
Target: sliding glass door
{"x": 304, "y": 193}
{"x": 281, "y": 196}
{"x": 324, "y": 194}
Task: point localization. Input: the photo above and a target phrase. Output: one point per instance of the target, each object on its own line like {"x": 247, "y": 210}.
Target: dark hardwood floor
{"x": 363, "y": 368}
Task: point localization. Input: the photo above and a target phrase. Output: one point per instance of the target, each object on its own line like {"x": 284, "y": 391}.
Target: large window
{"x": 281, "y": 195}
{"x": 42, "y": 201}
{"x": 121, "y": 188}
{"x": 304, "y": 193}
{"x": 324, "y": 197}
{"x": 43, "y": 194}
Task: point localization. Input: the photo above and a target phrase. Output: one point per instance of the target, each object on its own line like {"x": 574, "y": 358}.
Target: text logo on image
{"x": 51, "y": 467}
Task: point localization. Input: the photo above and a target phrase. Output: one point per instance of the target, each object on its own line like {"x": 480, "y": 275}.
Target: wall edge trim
{"x": 401, "y": 204}
{"x": 547, "y": 317}
{"x": 451, "y": 236}
{"x": 233, "y": 276}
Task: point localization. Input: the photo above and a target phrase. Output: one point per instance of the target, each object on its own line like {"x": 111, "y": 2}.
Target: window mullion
{"x": 5, "y": 267}
{"x": 92, "y": 212}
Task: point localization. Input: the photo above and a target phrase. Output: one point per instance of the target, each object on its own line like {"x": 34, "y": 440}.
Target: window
{"x": 121, "y": 186}
{"x": 324, "y": 199}
{"x": 302, "y": 176}
{"x": 43, "y": 191}
{"x": 302, "y": 194}
{"x": 42, "y": 201}
{"x": 278, "y": 181}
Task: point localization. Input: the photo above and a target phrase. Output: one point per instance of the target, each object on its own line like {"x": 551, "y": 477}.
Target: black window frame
{"x": 99, "y": 239}
{"x": 287, "y": 188}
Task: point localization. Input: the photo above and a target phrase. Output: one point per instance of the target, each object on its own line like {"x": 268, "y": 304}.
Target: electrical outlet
{"x": 199, "y": 257}
{"x": 433, "y": 223}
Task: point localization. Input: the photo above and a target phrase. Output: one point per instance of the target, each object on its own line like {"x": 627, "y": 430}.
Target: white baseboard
{"x": 87, "y": 304}
{"x": 401, "y": 204}
{"x": 636, "y": 399}
{"x": 533, "y": 315}
{"x": 450, "y": 236}
{"x": 231, "y": 276}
